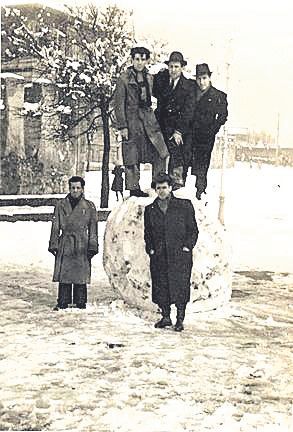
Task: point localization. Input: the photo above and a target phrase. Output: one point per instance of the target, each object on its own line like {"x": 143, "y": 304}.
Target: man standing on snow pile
{"x": 73, "y": 242}
{"x": 210, "y": 114}
{"x": 170, "y": 234}
{"x": 175, "y": 106}
{"x": 142, "y": 140}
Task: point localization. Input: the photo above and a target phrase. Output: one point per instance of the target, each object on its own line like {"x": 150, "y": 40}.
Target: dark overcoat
{"x": 175, "y": 108}
{"x": 145, "y": 139}
{"x": 73, "y": 234}
{"x": 167, "y": 234}
{"x": 211, "y": 112}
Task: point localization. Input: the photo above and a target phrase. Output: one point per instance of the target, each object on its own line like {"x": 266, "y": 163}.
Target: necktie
{"x": 171, "y": 85}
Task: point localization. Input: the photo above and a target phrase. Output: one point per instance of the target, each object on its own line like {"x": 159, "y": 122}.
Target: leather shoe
{"x": 164, "y": 322}
{"x": 179, "y": 326}
{"x": 57, "y": 307}
{"x": 138, "y": 193}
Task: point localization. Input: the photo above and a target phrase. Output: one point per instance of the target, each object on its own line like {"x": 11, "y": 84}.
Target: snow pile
{"x": 127, "y": 264}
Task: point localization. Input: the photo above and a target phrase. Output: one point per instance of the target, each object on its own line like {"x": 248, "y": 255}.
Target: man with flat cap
{"x": 142, "y": 139}
{"x": 209, "y": 115}
{"x": 175, "y": 106}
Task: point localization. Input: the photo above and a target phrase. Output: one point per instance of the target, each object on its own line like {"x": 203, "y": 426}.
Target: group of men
{"x": 180, "y": 133}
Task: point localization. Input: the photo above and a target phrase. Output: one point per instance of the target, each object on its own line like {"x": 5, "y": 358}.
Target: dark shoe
{"x": 177, "y": 186}
{"x": 179, "y": 325}
{"x": 138, "y": 193}
{"x": 81, "y": 305}
{"x": 57, "y": 307}
{"x": 198, "y": 195}
{"x": 164, "y": 322}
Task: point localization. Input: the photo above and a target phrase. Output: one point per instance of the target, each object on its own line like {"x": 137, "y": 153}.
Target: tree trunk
{"x": 106, "y": 156}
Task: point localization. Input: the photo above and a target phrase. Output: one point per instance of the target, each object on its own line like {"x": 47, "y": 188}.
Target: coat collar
{"x": 80, "y": 204}
{"x": 211, "y": 92}
{"x": 174, "y": 202}
{"x": 132, "y": 75}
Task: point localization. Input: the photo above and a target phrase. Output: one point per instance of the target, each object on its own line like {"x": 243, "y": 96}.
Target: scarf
{"x": 144, "y": 93}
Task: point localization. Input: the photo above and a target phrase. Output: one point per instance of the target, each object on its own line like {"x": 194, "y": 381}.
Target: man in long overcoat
{"x": 73, "y": 242}
{"x": 175, "y": 106}
{"x": 170, "y": 233}
{"x": 142, "y": 140}
{"x": 210, "y": 114}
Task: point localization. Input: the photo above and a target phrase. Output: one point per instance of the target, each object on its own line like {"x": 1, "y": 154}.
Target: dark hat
{"x": 176, "y": 56}
{"x": 202, "y": 69}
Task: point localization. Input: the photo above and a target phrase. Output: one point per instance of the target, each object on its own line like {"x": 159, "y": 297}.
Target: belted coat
{"x": 145, "y": 139}
{"x": 74, "y": 232}
{"x": 167, "y": 234}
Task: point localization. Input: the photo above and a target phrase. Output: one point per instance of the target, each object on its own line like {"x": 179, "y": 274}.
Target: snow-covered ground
{"x": 106, "y": 368}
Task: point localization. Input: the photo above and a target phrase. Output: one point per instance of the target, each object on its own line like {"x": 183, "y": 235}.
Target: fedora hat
{"x": 202, "y": 69}
{"x": 176, "y": 56}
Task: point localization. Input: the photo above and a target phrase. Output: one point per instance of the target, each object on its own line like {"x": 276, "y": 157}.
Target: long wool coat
{"x": 73, "y": 234}
{"x": 145, "y": 139}
{"x": 211, "y": 112}
{"x": 175, "y": 110}
{"x": 167, "y": 234}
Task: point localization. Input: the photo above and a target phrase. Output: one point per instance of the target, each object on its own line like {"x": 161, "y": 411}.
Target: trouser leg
{"x": 180, "y": 316}
{"x": 132, "y": 176}
{"x": 80, "y": 295}
{"x": 158, "y": 166}
{"x": 201, "y": 180}
{"x": 176, "y": 174}
{"x": 64, "y": 295}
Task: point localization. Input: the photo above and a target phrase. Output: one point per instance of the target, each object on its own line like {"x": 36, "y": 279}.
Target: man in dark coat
{"x": 175, "y": 106}
{"x": 170, "y": 233}
{"x": 73, "y": 242}
{"x": 142, "y": 139}
{"x": 210, "y": 114}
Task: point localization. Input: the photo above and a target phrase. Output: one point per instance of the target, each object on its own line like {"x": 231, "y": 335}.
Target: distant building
{"x": 30, "y": 148}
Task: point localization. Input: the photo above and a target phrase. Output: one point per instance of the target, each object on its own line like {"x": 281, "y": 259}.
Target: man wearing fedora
{"x": 209, "y": 115}
{"x": 142, "y": 139}
{"x": 175, "y": 106}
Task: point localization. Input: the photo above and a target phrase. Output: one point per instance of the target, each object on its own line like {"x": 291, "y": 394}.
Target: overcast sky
{"x": 255, "y": 37}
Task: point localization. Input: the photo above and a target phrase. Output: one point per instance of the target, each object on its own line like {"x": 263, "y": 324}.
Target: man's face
{"x": 75, "y": 189}
{"x": 203, "y": 81}
{"x": 163, "y": 190}
{"x": 175, "y": 69}
{"x": 139, "y": 62}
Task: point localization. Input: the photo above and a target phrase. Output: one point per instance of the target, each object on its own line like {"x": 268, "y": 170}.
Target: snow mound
{"x": 127, "y": 264}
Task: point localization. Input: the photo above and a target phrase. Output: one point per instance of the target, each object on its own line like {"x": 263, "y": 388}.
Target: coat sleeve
{"x": 191, "y": 226}
{"x": 222, "y": 111}
{"x": 120, "y": 95}
{"x": 184, "y": 120}
{"x": 147, "y": 232}
{"x": 93, "y": 244}
{"x": 55, "y": 228}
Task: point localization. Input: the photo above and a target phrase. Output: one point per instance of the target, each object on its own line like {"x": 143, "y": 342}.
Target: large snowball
{"x": 127, "y": 264}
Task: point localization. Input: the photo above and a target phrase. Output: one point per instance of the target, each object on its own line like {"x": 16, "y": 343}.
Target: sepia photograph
{"x": 146, "y": 216}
